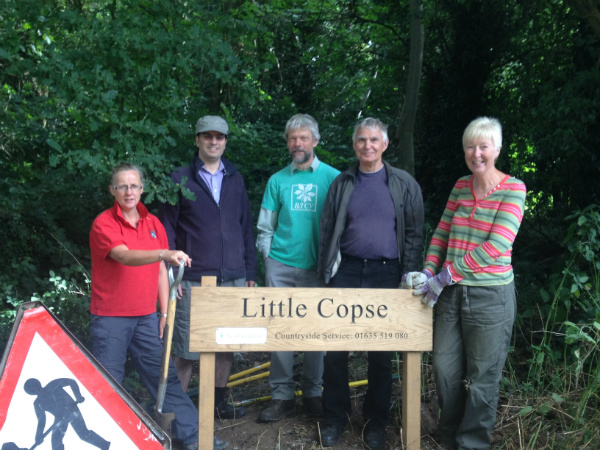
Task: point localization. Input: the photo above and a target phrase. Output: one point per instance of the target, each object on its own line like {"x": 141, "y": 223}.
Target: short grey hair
{"x": 124, "y": 167}
{"x": 373, "y": 124}
{"x": 302, "y": 121}
{"x": 483, "y": 127}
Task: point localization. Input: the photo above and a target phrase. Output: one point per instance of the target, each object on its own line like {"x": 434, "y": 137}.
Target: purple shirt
{"x": 214, "y": 181}
{"x": 370, "y": 230}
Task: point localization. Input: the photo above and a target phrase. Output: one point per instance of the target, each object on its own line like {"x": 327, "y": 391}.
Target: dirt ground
{"x": 298, "y": 433}
{"x": 301, "y": 432}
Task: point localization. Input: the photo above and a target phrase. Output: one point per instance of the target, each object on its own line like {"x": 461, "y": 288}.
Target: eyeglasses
{"x": 124, "y": 188}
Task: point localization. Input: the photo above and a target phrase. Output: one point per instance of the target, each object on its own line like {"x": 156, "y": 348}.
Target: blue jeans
{"x": 113, "y": 337}
{"x": 471, "y": 336}
{"x": 282, "y": 384}
{"x": 372, "y": 274}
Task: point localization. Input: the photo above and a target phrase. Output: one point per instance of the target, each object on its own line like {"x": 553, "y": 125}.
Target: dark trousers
{"x": 359, "y": 273}
{"x": 113, "y": 337}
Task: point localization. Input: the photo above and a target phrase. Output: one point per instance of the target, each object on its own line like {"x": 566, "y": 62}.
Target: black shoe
{"x": 225, "y": 411}
{"x": 330, "y": 435}
{"x": 375, "y": 437}
{"x": 313, "y": 406}
{"x": 218, "y": 444}
{"x": 277, "y": 411}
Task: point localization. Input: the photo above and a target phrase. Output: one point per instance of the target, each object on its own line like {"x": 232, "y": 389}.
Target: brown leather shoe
{"x": 277, "y": 411}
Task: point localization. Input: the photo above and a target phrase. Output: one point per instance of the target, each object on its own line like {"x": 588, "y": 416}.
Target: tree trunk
{"x": 406, "y": 123}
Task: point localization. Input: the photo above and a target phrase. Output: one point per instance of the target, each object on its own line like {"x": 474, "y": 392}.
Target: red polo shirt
{"x": 119, "y": 290}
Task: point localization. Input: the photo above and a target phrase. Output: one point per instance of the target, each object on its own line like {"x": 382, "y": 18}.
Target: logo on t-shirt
{"x": 304, "y": 197}
{"x": 153, "y": 234}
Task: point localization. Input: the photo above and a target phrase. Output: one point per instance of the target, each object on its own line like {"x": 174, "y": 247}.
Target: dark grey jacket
{"x": 408, "y": 202}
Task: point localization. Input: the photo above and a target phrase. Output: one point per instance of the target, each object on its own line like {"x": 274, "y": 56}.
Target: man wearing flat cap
{"x": 216, "y": 230}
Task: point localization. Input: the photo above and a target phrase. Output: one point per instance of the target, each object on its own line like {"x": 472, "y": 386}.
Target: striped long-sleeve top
{"x": 474, "y": 237}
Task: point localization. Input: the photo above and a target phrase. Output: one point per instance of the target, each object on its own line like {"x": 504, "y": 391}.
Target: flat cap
{"x": 212, "y": 123}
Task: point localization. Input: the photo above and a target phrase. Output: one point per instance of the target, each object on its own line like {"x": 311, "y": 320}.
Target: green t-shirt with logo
{"x": 298, "y": 196}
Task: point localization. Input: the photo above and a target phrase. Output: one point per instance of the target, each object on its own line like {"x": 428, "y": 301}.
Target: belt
{"x": 370, "y": 260}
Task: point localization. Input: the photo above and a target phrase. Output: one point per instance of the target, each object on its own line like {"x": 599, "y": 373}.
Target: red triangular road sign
{"x": 49, "y": 377}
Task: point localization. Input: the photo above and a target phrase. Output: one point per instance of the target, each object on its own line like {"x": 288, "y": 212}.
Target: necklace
{"x": 487, "y": 189}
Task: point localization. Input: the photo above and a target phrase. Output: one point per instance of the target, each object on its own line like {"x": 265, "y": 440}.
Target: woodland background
{"x": 87, "y": 84}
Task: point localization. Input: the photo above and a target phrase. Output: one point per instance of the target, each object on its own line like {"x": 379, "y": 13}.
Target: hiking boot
{"x": 313, "y": 406}
{"x": 277, "y": 411}
{"x": 225, "y": 410}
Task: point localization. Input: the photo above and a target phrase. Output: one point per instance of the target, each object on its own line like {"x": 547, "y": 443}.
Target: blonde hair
{"x": 483, "y": 127}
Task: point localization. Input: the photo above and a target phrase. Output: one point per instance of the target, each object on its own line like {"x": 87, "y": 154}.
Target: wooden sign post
{"x": 309, "y": 319}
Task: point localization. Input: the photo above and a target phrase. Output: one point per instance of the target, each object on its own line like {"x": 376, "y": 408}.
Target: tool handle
{"x": 46, "y": 433}
{"x": 174, "y": 282}
{"x": 168, "y": 336}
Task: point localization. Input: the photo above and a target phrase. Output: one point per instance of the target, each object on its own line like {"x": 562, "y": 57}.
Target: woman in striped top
{"x": 474, "y": 289}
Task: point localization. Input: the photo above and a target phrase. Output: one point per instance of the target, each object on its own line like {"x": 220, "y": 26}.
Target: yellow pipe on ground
{"x": 252, "y": 401}
{"x": 248, "y": 371}
{"x": 248, "y": 379}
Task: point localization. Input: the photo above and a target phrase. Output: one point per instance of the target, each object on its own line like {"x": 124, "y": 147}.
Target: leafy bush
{"x": 564, "y": 371}
{"x": 67, "y": 296}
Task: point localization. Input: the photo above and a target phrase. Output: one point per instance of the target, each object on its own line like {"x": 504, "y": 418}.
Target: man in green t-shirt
{"x": 288, "y": 239}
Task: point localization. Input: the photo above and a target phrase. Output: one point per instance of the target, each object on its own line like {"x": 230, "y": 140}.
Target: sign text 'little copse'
{"x": 325, "y": 308}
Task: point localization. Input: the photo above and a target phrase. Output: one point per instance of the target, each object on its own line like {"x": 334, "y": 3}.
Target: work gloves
{"x": 433, "y": 287}
{"x": 414, "y": 280}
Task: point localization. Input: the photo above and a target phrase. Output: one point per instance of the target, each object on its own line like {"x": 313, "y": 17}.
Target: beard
{"x": 300, "y": 156}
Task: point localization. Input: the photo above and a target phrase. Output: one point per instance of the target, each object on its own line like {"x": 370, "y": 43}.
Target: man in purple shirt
{"x": 371, "y": 233}
{"x": 216, "y": 229}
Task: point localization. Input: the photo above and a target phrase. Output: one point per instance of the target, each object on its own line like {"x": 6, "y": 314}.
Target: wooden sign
{"x": 310, "y": 319}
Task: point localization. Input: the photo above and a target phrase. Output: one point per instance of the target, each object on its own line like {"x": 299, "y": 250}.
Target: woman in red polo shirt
{"x": 128, "y": 245}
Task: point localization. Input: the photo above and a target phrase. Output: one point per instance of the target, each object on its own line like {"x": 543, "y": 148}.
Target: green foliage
{"x": 8, "y": 312}
{"x": 564, "y": 369}
{"x": 68, "y": 298}
{"x": 86, "y": 88}
{"x": 67, "y": 295}
{"x": 576, "y": 292}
